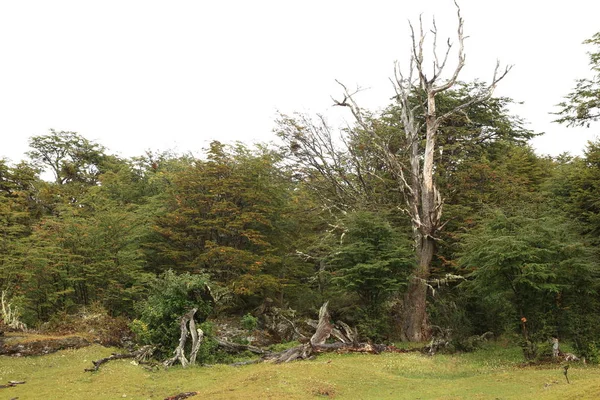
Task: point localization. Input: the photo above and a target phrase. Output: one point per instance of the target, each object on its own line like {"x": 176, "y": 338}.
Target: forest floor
{"x": 494, "y": 372}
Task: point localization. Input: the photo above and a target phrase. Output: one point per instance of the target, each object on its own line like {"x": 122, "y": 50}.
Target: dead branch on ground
{"x": 324, "y": 329}
{"x": 140, "y": 355}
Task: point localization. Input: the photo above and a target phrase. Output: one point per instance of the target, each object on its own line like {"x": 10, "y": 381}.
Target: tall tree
{"x": 69, "y": 156}
{"x": 19, "y": 212}
{"x": 220, "y": 218}
{"x": 575, "y": 187}
{"x": 582, "y": 105}
{"x": 531, "y": 271}
{"x": 417, "y": 179}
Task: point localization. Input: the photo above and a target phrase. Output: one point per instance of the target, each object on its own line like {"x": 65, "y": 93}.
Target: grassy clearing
{"x": 492, "y": 373}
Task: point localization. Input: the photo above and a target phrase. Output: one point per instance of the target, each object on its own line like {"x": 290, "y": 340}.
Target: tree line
{"x": 339, "y": 215}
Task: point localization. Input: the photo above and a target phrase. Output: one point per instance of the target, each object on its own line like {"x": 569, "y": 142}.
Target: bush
{"x": 171, "y": 296}
{"x": 207, "y": 353}
{"x": 249, "y": 322}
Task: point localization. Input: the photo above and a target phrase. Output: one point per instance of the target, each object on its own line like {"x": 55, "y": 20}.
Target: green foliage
{"x": 249, "y": 322}
{"x": 582, "y": 105}
{"x": 576, "y": 188}
{"x": 88, "y": 254}
{"x": 536, "y": 262}
{"x": 371, "y": 261}
{"x": 590, "y": 350}
{"x": 222, "y": 218}
{"x": 312, "y": 222}
{"x": 69, "y": 156}
{"x": 170, "y": 297}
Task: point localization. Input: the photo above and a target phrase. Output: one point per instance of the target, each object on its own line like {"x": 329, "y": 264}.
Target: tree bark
{"x": 415, "y": 324}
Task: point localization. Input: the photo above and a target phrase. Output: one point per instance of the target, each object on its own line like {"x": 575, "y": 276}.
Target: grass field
{"x": 491, "y": 373}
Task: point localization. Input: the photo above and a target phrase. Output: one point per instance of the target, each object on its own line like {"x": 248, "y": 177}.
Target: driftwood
{"x": 197, "y": 336}
{"x": 139, "y": 355}
{"x": 324, "y": 329}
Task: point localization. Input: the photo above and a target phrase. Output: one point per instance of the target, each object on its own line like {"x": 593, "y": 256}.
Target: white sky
{"x": 137, "y": 75}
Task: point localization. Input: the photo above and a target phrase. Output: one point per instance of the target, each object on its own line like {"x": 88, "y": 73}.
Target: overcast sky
{"x": 136, "y": 75}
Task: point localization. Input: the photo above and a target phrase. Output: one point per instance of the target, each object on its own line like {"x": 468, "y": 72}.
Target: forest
{"x": 432, "y": 218}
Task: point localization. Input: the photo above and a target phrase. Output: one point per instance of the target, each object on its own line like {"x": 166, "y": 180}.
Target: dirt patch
{"x": 18, "y": 345}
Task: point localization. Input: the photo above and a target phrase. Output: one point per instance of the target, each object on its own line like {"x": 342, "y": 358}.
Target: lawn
{"x": 491, "y": 373}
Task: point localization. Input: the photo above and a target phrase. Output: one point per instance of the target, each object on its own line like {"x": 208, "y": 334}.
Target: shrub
{"x": 249, "y": 322}
{"x": 171, "y": 296}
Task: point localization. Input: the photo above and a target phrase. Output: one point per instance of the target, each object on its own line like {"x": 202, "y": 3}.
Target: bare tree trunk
{"x": 415, "y": 324}
{"x": 197, "y": 336}
{"x": 417, "y": 181}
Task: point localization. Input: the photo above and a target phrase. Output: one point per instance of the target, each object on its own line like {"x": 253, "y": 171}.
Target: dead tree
{"x": 416, "y": 179}
{"x": 324, "y": 329}
{"x": 197, "y": 336}
{"x": 9, "y": 314}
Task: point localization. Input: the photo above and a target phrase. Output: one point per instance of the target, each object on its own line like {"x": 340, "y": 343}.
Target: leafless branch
{"x": 461, "y": 58}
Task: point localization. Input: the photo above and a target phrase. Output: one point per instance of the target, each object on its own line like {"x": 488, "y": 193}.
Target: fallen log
{"x": 12, "y": 384}
{"x": 139, "y": 355}
{"x": 351, "y": 348}
{"x": 181, "y": 396}
{"x": 237, "y": 348}
{"x": 324, "y": 329}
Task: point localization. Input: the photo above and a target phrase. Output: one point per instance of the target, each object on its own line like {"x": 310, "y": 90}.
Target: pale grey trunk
{"x": 415, "y": 326}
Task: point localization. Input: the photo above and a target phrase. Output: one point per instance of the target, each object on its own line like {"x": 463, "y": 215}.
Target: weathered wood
{"x": 350, "y": 348}
{"x": 350, "y": 334}
{"x": 138, "y": 355}
{"x": 324, "y": 327}
{"x": 237, "y": 348}
{"x": 323, "y": 330}
{"x": 196, "y": 338}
